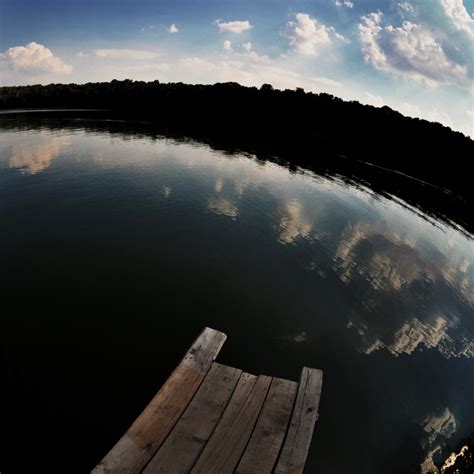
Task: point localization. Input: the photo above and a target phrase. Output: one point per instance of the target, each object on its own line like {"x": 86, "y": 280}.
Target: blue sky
{"x": 415, "y": 56}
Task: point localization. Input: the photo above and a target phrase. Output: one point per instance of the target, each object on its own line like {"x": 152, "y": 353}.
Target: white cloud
{"x": 33, "y": 59}
{"x": 409, "y": 51}
{"x": 247, "y": 46}
{"x": 227, "y": 46}
{"x": 173, "y": 29}
{"x": 406, "y": 7}
{"x": 347, "y": 4}
{"x": 234, "y": 26}
{"x": 307, "y": 36}
{"x": 457, "y": 14}
{"x": 134, "y": 54}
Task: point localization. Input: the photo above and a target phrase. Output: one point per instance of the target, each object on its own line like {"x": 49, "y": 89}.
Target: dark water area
{"x": 119, "y": 245}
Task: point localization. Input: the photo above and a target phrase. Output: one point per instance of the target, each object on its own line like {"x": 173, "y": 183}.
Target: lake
{"x": 119, "y": 247}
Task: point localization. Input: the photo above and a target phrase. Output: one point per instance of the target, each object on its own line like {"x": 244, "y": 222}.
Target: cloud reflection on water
{"x": 223, "y": 207}
{"x": 422, "y": 299}
{"x": 32, "y": 157}
{"x": 414, "y": 282}
{"x": 293, "y": 224}
{"x": 397, "y": 284}
{"x": 439, "y": 428}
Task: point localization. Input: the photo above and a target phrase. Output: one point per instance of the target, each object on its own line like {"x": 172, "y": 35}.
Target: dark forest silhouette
{"x": 293, "y": 125}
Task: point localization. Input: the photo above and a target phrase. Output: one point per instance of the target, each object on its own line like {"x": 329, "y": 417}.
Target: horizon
{"x": 414, "y": 58}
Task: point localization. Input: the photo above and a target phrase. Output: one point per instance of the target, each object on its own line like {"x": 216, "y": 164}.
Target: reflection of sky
{"x": 393, "y": 257}
{"x": 438, "y": 428}
{"x": 407, "y": 284}
{"x": 223, "y": 207}
{"x": 293, "y": 224}
{"x": 407, "y": 268}
{"x": 29, "y": 155}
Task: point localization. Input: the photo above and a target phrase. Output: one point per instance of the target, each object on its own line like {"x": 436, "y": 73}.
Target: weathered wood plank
{"x": 262, "y": 451}
{"x": 183, "y": 446}
{"x": 305, "y": 413}
{"x": 136, "y": 447}
{"x": 226, "y": 445}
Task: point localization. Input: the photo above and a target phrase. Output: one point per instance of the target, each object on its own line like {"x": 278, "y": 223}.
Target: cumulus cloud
{"x": 410, "y": 51}
{"x": 308, "y": 36}
{"x": 173, "y": 29}
{"x": 133, "y": 54}
{"x": 33, "y": 59}
{"x": 457, "y": 14}
{"x": 233, "y": 26}
{"x": 227, "y": 46}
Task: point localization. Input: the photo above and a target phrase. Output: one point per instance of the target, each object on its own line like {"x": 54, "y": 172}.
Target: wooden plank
{"x": 226, "y": 445}
{"x": 136, "y": 447}
{"x": 183, "y": 446}
{"x": 262, "y": 451}
{"x": 305, "y": 413}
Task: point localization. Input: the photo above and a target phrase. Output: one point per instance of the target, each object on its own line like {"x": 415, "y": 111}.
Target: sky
{"x": 415, "y": 56}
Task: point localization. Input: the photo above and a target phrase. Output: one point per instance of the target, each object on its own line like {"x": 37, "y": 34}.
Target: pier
{"x": 212, "y": 418}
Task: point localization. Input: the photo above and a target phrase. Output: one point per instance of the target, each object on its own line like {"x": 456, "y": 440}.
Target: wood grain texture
{"x": 226, "y": 445}
{"x": 262, "y": 451}
{"x": 300, "y": 432}
{"x": 147, "y": 433}
{"x": 185, "y": 443}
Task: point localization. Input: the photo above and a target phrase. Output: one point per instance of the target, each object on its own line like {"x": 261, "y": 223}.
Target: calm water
{"x": 118, "y": 249}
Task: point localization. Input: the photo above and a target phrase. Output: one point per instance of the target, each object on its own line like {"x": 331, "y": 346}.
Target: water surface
{"x": 118, "y": 248}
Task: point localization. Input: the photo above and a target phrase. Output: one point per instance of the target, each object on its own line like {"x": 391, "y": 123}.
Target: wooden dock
{"x": 211, "y": 418}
